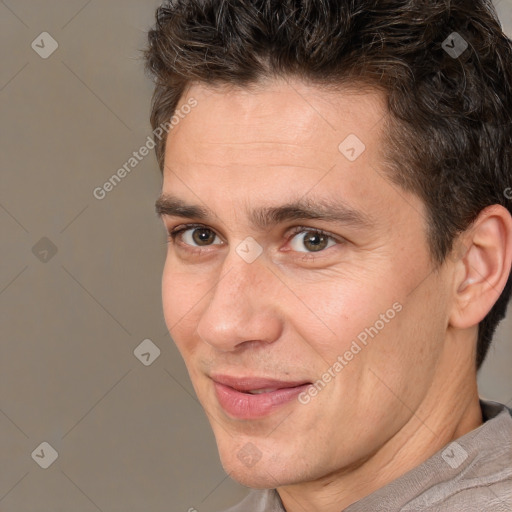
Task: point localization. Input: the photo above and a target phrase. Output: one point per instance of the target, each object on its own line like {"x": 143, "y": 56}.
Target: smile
{"x": 253, "y": 398}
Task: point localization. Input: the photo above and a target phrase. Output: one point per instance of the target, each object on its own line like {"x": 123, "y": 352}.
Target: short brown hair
{"x": 445, "y": 67}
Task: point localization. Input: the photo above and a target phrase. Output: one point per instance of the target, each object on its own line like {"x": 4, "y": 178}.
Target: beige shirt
{"x": 471, "y": 474}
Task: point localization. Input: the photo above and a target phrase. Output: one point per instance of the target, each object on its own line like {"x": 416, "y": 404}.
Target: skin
{"x": 289, "y": 314}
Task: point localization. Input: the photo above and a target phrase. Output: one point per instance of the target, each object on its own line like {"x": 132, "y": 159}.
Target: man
{"x": 336, "y": 188}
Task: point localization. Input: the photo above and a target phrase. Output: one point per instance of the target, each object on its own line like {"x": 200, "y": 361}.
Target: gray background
{"x": 129, "y": 437}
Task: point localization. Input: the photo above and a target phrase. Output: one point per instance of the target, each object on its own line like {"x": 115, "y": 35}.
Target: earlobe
{"x": 482, "y": 272}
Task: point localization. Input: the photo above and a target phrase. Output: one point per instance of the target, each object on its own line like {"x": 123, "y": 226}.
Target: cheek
{"x": 181, "y": 299}
{"x": 343, "y": 310}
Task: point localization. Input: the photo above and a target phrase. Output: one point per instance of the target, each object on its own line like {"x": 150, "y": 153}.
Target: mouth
{"x": 254, "y": 397}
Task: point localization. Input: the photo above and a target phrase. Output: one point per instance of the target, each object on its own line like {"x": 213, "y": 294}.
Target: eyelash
{"x": 172, "y": 235}
{"x": 308, "y": 229}
{"x": 185, "y": 227}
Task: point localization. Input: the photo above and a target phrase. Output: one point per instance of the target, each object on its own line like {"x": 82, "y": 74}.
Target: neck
{"x": 450, "y": 410}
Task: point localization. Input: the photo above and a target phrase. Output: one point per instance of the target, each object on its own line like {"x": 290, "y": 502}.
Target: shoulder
{"x": 477, "y": 474}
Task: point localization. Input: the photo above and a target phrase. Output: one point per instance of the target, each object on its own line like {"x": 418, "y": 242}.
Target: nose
{"x": 242, "y": 306}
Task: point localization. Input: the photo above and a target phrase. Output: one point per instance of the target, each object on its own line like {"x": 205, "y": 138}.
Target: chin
{"x": 257, "y": 473}
{"x": 252, "y": 478}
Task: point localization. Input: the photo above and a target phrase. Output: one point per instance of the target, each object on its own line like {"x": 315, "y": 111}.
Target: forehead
{"x": 281, "y": 120}
{"x": 240, "y": 149}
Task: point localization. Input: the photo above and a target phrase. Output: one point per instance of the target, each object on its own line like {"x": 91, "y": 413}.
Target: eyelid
{"x": 185, "y": 227}
{"x": 301, "y": 229}
{"x": 179, "y": 230}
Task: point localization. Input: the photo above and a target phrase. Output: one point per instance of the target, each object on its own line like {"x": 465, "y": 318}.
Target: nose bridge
{"x": 234, "y": 286}
{"x": 240, "y": 305}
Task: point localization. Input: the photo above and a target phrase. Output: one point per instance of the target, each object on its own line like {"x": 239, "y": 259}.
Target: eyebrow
{"x": 267, "y": 216}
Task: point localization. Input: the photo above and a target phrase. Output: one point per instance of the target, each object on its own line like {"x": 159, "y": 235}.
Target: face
{"x": 298, "y": 284}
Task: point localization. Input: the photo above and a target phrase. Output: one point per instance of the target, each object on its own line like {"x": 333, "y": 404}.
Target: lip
{"x": 232, "y": 395}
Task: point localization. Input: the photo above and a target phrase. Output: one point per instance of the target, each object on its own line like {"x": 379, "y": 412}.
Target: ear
{"x": 484, "y": 266}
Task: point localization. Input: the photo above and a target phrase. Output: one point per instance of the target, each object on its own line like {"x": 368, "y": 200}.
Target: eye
{"x": 195, "y": 236}
{"x": 311, "y": 240}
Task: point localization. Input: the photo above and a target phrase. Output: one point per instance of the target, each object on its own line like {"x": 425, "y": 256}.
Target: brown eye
{"x": 203, "y": 236}
{"x": 196, "y": 236}
{"x": 311, "y": 241}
